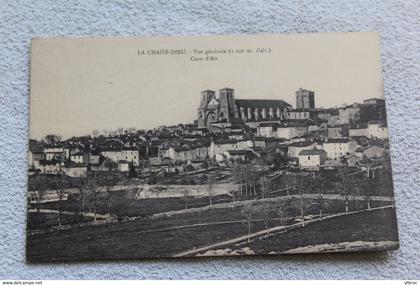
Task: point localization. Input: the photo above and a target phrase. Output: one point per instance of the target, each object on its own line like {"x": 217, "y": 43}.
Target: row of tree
{"x": 89, "y": 189}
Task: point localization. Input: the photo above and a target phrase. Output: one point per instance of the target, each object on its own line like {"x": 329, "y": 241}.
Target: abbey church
{"x": 226, "y": 109}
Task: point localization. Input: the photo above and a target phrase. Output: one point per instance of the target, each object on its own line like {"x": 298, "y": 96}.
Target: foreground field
{"x": 362, "y": 231}
{"x": 168, "y": 234}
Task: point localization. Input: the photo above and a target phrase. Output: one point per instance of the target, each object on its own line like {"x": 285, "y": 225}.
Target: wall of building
{"x": 310, "y": 160}
{"x": 128, "y": 155}
{"x": 335, "y": 150}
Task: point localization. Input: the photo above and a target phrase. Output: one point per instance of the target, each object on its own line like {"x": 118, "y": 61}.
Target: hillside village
{"x": 246, "y": 175}
{"x": 304, "y": 137}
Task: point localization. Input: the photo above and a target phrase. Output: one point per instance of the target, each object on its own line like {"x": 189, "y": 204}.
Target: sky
{"x": 81, "y": 84}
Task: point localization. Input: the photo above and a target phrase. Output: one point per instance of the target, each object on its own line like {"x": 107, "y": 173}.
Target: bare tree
{"x": 93, "y": 191}
{"x": 301, "y": 186}
{"x": 247, "y": 212}
{"x": 36, "y": 194}
{"x": 266, "y": 211}
{"x": 369, "y": 187}
{"x": 185, "y": 196}
{"x": 81, "y": 191}
{"x": 252, "y": 175}
{"x": 237, "y": 176}
{"x": 61, "y": 194}
{"x": 37, "y": 197}
{"x": 110, "y": 181}
{"x": 320, "y": 184}
{"x": 211, "y": 181}
{"x": 321, "y": 202}
{"x": 346, "y": 185}
{"x": 264, "y": 183}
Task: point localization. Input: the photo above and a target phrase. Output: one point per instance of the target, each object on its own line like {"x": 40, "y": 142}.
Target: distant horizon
{"x": 81, "y": 84}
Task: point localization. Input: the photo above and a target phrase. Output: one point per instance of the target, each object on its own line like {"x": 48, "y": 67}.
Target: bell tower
{"x": 206, "y": 97}
{"x": 227, "y": 104}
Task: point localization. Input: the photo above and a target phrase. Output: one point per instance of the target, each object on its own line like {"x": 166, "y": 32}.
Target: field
{"x": 123, "y": 204}
{"x": 168, "y": 234}
{"x": 373, "y": 228}
{"x": 177, "y": 226}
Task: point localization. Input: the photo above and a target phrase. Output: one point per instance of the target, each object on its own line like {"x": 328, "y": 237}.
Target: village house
{"x": 300, "y": 114}
{"x": 54, "y": 153}
{"x": 358, "y": 131}
{"x": 334, "y": 118}
{"x": 75, "y": 169}
{"x": 323, "y": 114}
{"x": 123, "y": 165}
{"x": 338, "y": 131}
{"x": 260, "y": 142}
{"x": 185, "y": 153}
{"x": 94, "y": 157}
{"x": 295, "y": 148}
{"x": 372, "y": 130}
{"x": 352, "y": 160}
{"x": 239, "y": 155}
{"x": 267, "y": 130}
{"x": 377, "y": 130}
{"x": 80, "y": 157}
{"x": 373, "y": 152}
{"x": 288, "y": 132}
{"x": 312, "y": 158}
{"x": 374, "y": 101}
{"x": 49, "y": 166}
{"x": 220, "y": 146}
{"x": 336, "y": 148}
{"x": 349, "y": 114}
{"x": 234, "y": 132}
{"x": 72, "y": 148}
{"x": 128, "y": 154}
{"x": 36, "y": 154}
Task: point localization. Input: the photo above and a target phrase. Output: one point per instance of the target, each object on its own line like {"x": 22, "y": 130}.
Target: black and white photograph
{"x": 193, "y": 146}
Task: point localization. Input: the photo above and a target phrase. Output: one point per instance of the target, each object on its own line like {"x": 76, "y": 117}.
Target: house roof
{"x": 79, "y": 153}
{"x": 271, "y": 124}
{"x": 239, "y": 152}
{"x": 261, "y": 103}
{"x": 72, "y": 164}
{"x": 312, "y": 152}
{"x": 337, "y": 140}
{"x": 301, "y": 144}
{"x": 226, "y": 141}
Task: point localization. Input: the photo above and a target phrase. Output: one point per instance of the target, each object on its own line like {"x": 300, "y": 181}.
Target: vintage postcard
{"x": 208, "y": 146}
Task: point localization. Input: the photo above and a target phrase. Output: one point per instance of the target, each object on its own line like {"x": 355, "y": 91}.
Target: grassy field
{"x": 124, "y": 205}
{"x": 170, "y": 233}
{"x": 375, "y": 226}
{"x": 46, "y": 220}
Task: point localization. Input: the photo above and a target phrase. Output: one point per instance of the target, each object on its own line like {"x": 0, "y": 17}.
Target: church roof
{"x": 261, "y": 103}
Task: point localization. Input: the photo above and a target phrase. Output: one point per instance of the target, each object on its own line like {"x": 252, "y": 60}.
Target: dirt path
{"x": 49, "y": 211}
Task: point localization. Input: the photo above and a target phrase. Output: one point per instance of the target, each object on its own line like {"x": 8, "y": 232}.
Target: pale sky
{"x": 81, "y": 84}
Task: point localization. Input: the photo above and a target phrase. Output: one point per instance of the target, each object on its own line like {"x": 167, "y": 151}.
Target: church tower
{"x": 207, "y": 111}
{"x": 227, "y": 104}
